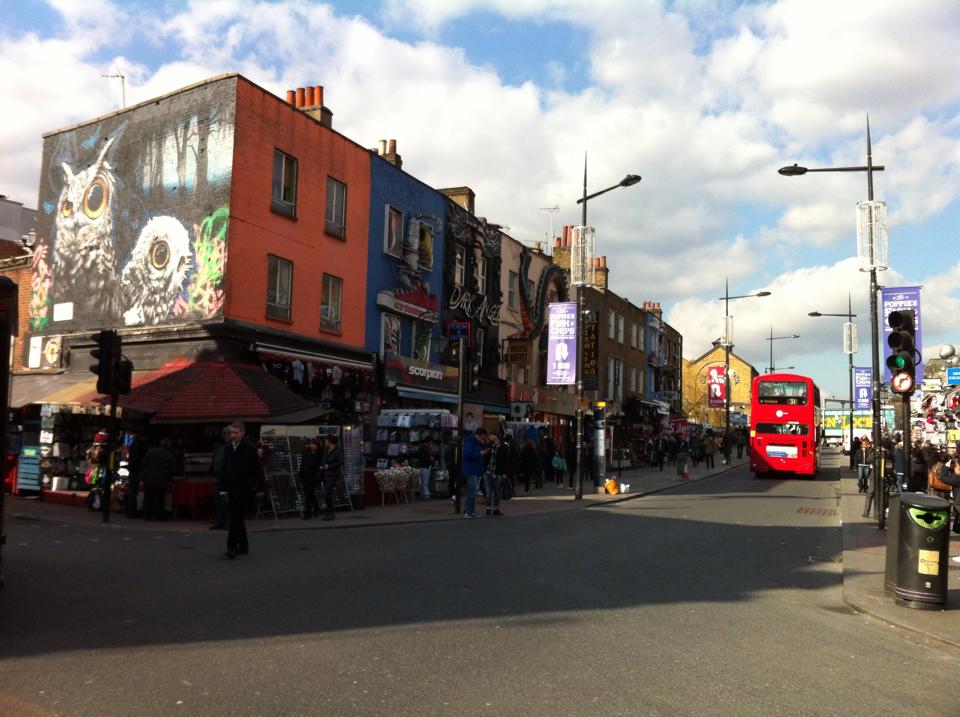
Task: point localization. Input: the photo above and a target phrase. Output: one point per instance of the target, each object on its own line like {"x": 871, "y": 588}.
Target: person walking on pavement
{"x": 135, "y": 454}
{"x": 529, "y": 464}
{"x": 157, "y": 477}
{"x": 332, "y": 469}
{"x": 218, "y": 466}
{"x": 863, "y": 465}
{"x": 506, "y": 466}
{"x": 865, "y": 474}
{"x": 740, "y": 441}
{"x": 549, "y": 451}
{"x": 661, "y": 450}
{"x": 243, "y": 478}
{"x": 491, "y": 478}
{"x": 709, "y": 450}
{"x": 917, "y": 481}
{"x": 425, "y": 464}
{"x": 309, "y": 474}
{"x": 471, "y": 468}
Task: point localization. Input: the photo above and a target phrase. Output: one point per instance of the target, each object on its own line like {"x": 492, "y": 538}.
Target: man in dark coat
{"x": 157, "y": 478}
{"x": 331, "y": 467}
{"x": 505, "y": 462}
{"x": 309, "y": 475}
{"x": 529, "y": 465}
{"x": 243, "y": 478}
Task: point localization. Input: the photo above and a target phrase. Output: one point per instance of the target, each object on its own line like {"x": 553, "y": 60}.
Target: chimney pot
{"x": 556, "y": 242}
{"x": 300, "y": 96}
{"x": 318, "y": 95}
{"x": 309, "y": 97}
{"x": 383, "y": 147}
{"x": 603, "y": 261}
{"x": 291, "y": 97}
{"x": 392, "y": 147}
{"x": 563, "y": 239}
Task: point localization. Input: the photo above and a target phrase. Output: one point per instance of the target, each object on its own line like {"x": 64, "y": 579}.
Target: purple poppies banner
{"x": 898, "y": 298}
{"x": 862, "y": 388}
{"x": 562, "y": 344}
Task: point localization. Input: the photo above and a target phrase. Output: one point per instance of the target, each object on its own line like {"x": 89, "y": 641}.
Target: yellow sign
{"x": 835, "y": 422}
{"x": 928, "y": 562}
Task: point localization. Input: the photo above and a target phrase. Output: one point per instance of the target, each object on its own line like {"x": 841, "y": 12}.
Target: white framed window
{"x": 459, "y": 267}
{"x": 330, "y": 303}
{"x": 279, "y": 287}
{"x": 389, "y": 334}
{"x": 482, "y": 274}
{"x": 481, "y": 337}
{"x": 420, "y": 341}
{"x": 614, "y": 379}
{"x": 284, "y": 192}
{"x": 336, "y": 213}
{"x": 513, "y": 283}
{"x": 611, "y": 325}
{"x": 393, "y": 232}
{"x": 620, "y": 328}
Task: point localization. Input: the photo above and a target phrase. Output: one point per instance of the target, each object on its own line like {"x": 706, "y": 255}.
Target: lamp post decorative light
{"x": 773, "y": 338}
{"x": 872, "y": 251}
{"x": 849, "y": 348}
{"x": 581, "y": 276}
{"x": 727, "y": 341}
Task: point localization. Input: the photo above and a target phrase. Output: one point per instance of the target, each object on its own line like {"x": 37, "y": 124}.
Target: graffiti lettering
{"x": 475, "y": 306}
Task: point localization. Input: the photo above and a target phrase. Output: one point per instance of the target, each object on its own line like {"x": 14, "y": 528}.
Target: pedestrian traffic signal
{"x": 903, "y": 350}
{"x": 474, "y": 377}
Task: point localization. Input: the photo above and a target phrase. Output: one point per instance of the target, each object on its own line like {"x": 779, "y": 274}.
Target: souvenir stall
{"x": 398, "y": 436}
{"x": 286, "y": 445}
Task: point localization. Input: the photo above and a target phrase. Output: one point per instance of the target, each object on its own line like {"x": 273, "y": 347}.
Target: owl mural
{"x": 156, "y": 271}
{"x": 84, "y": 257}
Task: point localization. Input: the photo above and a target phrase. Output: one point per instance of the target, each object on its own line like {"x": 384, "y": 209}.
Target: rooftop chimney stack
{"x": 309, "y": 100}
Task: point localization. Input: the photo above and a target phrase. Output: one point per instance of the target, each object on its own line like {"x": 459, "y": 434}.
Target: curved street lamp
{"x": 795, "y": 170}
{"x": 773, "y": 338}
{"x": 627, "y": 181}
{"x": 727, "y": 343}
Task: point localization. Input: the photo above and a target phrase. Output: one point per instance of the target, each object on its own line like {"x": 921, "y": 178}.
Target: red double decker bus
{"x": 786, "y": 425}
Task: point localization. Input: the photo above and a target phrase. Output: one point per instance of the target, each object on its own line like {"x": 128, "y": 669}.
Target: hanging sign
{"x": 562, "y": 344}
{"x": 898, "y": 298}
{"x": 716, "y": 387}
{"x": 862, "y": 388}
{"x": 590, "y": 347}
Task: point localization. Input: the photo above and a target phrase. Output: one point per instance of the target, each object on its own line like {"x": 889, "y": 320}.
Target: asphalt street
{"x": 721, "y": 597}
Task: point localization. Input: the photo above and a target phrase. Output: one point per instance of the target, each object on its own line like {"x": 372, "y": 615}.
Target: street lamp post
{"x": 850, "y": 348}
{"x": 795, "y": 171}
{"x": 627, "y": 181}
{"x": 727, "y": 343}
{"x": 773, "y": 338}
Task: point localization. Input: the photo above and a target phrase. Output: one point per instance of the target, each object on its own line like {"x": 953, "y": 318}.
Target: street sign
{"x": 953, "y": 376}
{"x": 457, "y": 330}
{"x": 902, "y": 383}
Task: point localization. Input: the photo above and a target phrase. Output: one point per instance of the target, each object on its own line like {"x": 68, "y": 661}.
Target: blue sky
{"x": 705, "y": 100}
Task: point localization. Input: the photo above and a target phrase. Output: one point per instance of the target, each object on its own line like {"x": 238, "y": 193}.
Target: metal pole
{"x": 578, "y": 495}
{"x": 455, "y": 486}
{"x": 726, "y": 362}
{"x": 770, "y": 365}
{"x": 907, "y": 440}
{"x": 875, "y": 348}
{"x": 850, "y": 376}
{"x": 108, "y": 460}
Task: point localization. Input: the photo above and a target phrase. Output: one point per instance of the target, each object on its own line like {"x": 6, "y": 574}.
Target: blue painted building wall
{"x": 400, "y": 270}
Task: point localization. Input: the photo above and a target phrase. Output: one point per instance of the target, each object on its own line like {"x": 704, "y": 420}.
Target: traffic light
{"x": 903, "y": 351}
{"x": 123, "y": 380}
{"x": 474, "y": 376}
{"x": 106, "y": 359}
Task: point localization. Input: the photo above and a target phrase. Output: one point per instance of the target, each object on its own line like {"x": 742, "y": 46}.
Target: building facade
{"x": 696, "y": 378}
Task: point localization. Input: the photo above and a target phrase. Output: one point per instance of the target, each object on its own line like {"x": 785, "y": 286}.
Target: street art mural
{"x": 134, "y": 213}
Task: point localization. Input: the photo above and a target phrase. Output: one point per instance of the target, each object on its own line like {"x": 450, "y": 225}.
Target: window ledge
{"x": 283, "y": 209}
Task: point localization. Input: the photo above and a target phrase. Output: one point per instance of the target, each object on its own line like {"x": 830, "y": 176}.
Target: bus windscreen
{"x": 782, "y": 393}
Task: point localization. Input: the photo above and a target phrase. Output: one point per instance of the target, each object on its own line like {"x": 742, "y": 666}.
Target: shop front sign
{"x": 399, "y": 370}
{"x": 476, "y": 306}
{"x": 417, "y": 304}
{"x": 590, "y": 346}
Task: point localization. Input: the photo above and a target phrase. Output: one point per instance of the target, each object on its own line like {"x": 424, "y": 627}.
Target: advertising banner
{"x": 716, "y": 387}
{"x": 590, "y": 351}
{"x": 896, "y": 298}
{"x": 862, "y": 388}
{"x": 562, "y": 344}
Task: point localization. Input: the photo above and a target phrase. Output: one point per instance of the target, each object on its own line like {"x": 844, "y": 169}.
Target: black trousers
{"x": 153, "y": 499}
{"x": 708, "y": 460}
{"x": 311, "y": 505}
{"x": 237, "y": 505}
{"x": 331, "y": 488}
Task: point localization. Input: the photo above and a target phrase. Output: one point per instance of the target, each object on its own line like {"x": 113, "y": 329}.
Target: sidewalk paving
{"x": 544, "y": 500}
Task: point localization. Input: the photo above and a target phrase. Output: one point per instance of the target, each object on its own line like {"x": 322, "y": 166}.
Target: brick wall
{"x": 18, "y": 270}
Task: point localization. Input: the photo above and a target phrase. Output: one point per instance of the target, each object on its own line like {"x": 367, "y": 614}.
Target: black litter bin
{"x": 922, "y": 541}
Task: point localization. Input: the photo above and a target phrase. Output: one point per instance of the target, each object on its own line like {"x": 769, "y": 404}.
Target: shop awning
{"x": 184, "y": 391}
{"x": 50, "y": 388}
{"x": 354, "y": 360}
{"x": 423, "y": 394}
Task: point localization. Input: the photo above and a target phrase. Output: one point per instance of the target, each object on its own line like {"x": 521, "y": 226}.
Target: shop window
{"x": 330, "y": 303}
{"x": 279, "y": 287}
{"x": 284, "y": 194}
{"x": 513, "y": 280}
{"x": 390, "y": 335}
{"x": 336, "y": 214}
{"x": 420, "y": 345}
{"x": 393, "y": 232}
